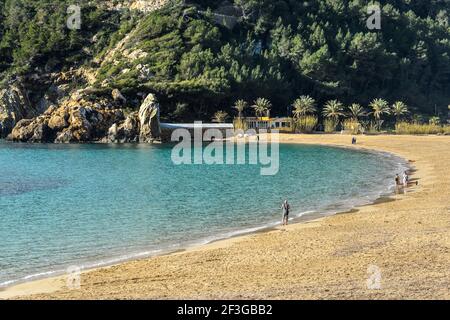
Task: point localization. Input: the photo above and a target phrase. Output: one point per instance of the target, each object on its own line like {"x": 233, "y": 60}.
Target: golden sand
{"x": 406, "y": 238}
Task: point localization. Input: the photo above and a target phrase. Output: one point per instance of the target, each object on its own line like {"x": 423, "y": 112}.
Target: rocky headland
{"x": 81, "y": 118}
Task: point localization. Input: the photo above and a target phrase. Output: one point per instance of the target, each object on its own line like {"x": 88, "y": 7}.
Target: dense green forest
{"x": 202, "y": 56}
{"x": 34, "y": 35}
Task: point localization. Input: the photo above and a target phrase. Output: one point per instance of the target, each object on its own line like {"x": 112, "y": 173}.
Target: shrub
{"x": 306, "y": 124}
{"x": 330, "y": 125}
{"x": 370, "y": 127}
{"x": 416, "y": 128}
{"x": 352, "y": 126}
{"x": 240, "y": 124}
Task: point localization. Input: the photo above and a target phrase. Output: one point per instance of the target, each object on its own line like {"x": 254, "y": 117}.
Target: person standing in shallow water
{"x": 397, "y": 183}
{"x": 286, "y": 208}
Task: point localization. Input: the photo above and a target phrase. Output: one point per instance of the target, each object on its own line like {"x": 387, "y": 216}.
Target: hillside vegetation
{"x": 199, "y": 57}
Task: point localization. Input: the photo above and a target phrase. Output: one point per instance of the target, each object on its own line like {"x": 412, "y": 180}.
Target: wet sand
{"x": 406, "y": 238}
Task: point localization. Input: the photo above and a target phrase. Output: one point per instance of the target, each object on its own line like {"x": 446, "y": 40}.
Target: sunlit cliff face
{"x": 141, "y": 5}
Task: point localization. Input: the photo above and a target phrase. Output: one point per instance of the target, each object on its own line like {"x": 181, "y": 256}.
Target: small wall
{"x": 166, "y": 133}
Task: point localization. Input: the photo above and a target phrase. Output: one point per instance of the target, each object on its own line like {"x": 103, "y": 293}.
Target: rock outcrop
{"x": 149, "y": 120}
{"x": 29, "y": 96}
{"x": 142, "y": 126}
{"x": 144, "y": 6}
{"x": 36, "y": 130}
{"x": 14, "y": 106}
{"x": 80, "y": 119}
{"x": 75, "y": 120}
{"x": 125, "y": 132}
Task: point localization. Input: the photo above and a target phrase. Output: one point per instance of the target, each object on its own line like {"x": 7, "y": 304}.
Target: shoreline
{"x": 53, "y": 284}
{"x": 304, "y": 217}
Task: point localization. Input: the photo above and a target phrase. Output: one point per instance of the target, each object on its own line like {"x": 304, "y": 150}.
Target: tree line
{"x": 198, "y": 65}
{"x": 305, "y": 114}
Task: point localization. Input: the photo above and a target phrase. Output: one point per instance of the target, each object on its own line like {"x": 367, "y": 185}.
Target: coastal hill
{"x": 198, "y": 57}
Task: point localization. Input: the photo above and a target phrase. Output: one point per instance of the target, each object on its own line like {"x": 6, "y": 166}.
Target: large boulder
{"x": 80, "y": 126}
{"x": 149, "y": 111}
{"x": 118, "y": 96}
{"x": 32, "y": 130}
{"x": 125, "y": 132}
{"x": 59, "y": 119}
{"x": 65, "y": 136}
{"x": 22, "y": 131}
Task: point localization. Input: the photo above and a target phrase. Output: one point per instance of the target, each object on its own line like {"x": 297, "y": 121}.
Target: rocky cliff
{"x": 14, "y": 106}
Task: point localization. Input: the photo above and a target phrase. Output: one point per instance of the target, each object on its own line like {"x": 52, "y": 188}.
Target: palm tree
{"x": 262, "y": 107}
{"x": 380, "y": 107}
{"x": 240, "y": 106}
{"x": 220, "y": 116}
{"x": 303, "y": 106}
{"x": 399, "y": 109}
{"x": 356, "y": 111}
{"x": 417, "y": 118}
{"x": 434, "y": 121}
{"x": 333, "y": 109}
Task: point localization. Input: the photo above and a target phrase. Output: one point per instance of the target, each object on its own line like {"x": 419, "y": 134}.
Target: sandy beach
{"x": 405, "y": 237}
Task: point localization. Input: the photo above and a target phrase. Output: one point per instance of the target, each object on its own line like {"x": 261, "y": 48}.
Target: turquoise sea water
{"x": 92, "y": 205}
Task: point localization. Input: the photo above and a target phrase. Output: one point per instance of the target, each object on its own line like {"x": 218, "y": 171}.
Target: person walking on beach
{"x": 405, "y": 179}
{"x": 286, "y": 207}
